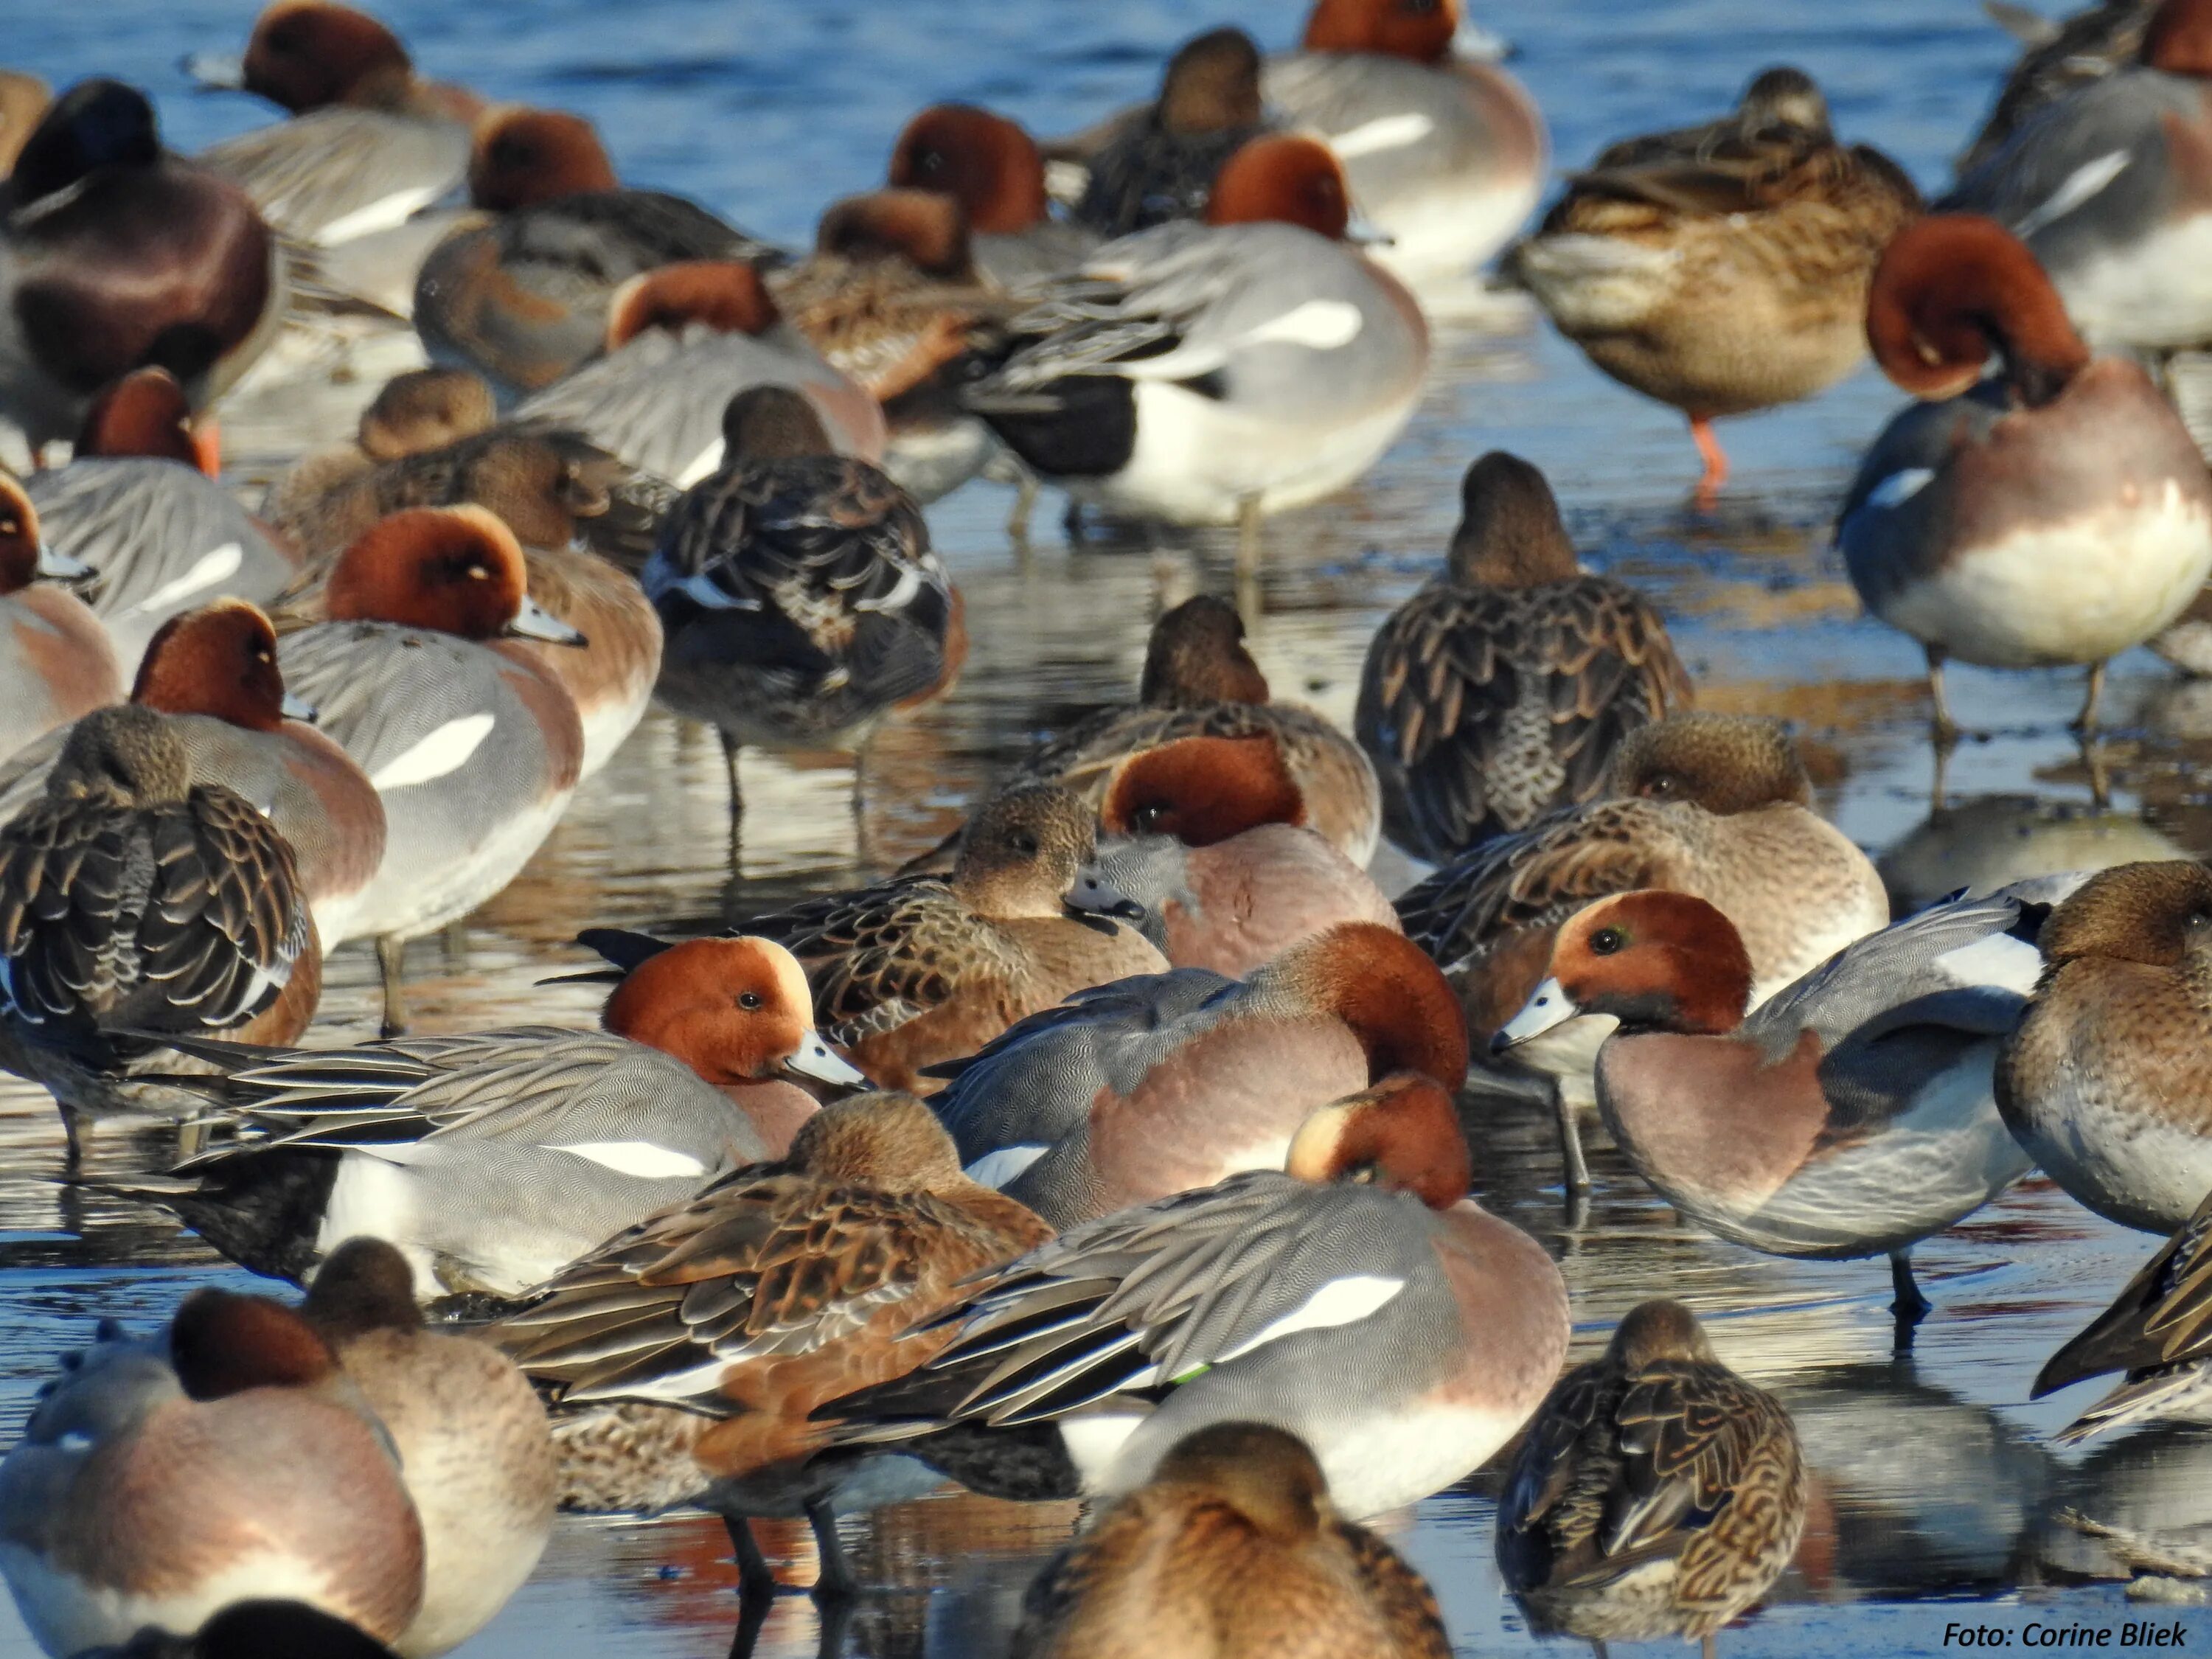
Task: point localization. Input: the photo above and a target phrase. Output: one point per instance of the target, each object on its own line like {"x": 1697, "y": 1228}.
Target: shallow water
{"x": 1937, "y": 1501}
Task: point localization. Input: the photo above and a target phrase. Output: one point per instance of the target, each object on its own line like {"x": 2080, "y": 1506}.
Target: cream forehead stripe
{"x": 790, "y": 978}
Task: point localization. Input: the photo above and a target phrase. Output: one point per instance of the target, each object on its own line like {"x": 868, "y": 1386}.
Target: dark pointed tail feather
{"x": 620, "y": 946}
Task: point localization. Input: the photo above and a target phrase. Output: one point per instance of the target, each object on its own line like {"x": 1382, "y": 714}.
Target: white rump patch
{"x": 641, "y": 1158}
{"x": 1383, "y": 132}
{"x": 216, "y": 565}
{"x": 444, "y": 751}
{"x": 1341, "y": 1302}
{"x": 996, "y": 1169}
{"x": 1900, "y": 488}
{"x": 2079, "y": 185}
{"x": 1320, "y": 325}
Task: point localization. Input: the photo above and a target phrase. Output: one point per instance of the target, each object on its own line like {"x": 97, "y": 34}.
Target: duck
{"x": 798, "y": 593}
{"x": 522, "y": 296}
{"x": 308, "y": 55}
{"x": 215, "y": 673}
{"x": 1327, "y": 1018}
{"x": 870, "y": 1209}
{"x": 59, "y": 658}
{"x": 475, "y": 1449}
{"x": 1204, "y": 848}
{"x": 1658, "y": 1494}
{"x": 1162, "y": 165}
{"x": 492, "y": 1159}
{"x": 1728, "y": 277}
{"x": 138, "y": 896}
{"x": 1355, "y": 1296}
{"x": 1499, "y": 692}
{"x": 2096, "y": 186}
{"x": 1716, "y": 806}
{"x": 154, "y": 1479}
{"x": 2058, "y": 56}
{"x": 139, "y": 503}
{"x": 993, "y": 169}
{"x": 922, "y": 970}
{"x": 2155, "y": 1333}
{"x": 474, "y": 748}
{"x": 682, "y": 340}
{"x": 1852, "y": 1114}
{"x": 2099, "y": 1080}
{"x": 1216, "y": 373}
{"x": 115, "y": 255}
{"x": 1943, "y": 534}
{"x": 1232, "y": 1550}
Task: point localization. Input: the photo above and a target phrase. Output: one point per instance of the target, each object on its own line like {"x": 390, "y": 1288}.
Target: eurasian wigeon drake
{"x": 1717, "y": 805}
{"x": 1217, "y": 1089}
{"x": 24, "y": 101}
{"x": 2106, "y": 187}
{"x": 474, "y": 1446}
{"x": 681, "y": 341}
{"x": 1231, "y": 1550}
{"x": 2108, "y": 1080}
{"x": 1445, "y": 154}
{"x": 1216, "y": 373}
{"x": 494, "y": 1158}
{"x": 1499, "y": 692}
{"x": 1204, "y": 848}
{"x": 922, "y": 970}
{"x": 1656, "y": 1494}
{"x": 139, "y": 897}
{"x": 473, "y": 747}
{"x": 1849, "y": 1114}
{"x": 994, "y": 170}
{"x": 215, "y": 671}
{"x": 1356, "y": 1298}
{"x": 307, "y": 55}
{"x": 1728, "y": 277}
{"x": 2157, "y": 1332}
{"x": 153, "y": 1488}
{"x": 139, "y": 503}
{"x": 524, "y": 299}
{"x": 1162, "y": 164}
{"x": 2057, "y": 511}
{"x": 820, "y": 1265}
{"x": 57, "y": 660}
{"x": 801, "y": 599}
{"x": 2058, "y": 55}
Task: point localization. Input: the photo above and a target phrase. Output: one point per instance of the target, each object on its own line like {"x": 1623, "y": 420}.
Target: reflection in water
{"x": 2140, "y": 1507}
{"x": 1988, "y": 841}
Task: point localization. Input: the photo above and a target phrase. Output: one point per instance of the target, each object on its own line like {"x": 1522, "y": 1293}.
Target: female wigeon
{"x": 1445, "y": 154}
{"x": 115, "y": 256}
{"x": 870, "y": 1213}
{"x": 473, "y": 748}
{"x": 1717, "y": 805}
{"x": 2057, "y": 512}
{"x": 996, "y": 172}
{"x": 1356, "y": 1298}
{"x": 1214, "y": 373}
{"x": 2102, "y": 185}
{"x": 524, "y": 298}
{"x": 800, "y": 597}
{"x": 1231, "y": 1550}
{"x": 138, "y": 896}
{"x": 2058, "y": 55}
{"x": 1656, "y": 1494}
{"x": 922, "y": 970}
{"x": 681, "y": 341}
{"x": 153, "y": 1488}
{"x": 57, "y": 661}
{"x": 216, "y": 672}
{"x": 1849, "y": 1114}
{"x": 1205, "y": 849}
{"x": 2106, "y": 1082}
{"x": 1500, "y": 691}
{"x": 1220, "y": 1088}
{"x": 1728, "y": 277}
{"x": 139, "y": 503}
{"x": 1163, "y": 163}
{"x": 2157, "y": 1332}
{"x": 494, "y": 1158}
{"x": 472, "y": 1441}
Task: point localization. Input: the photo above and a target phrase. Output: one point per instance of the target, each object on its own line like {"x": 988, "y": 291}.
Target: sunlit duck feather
{"x": 996, "y": 172}
{"x": 2057, "y": 512}
{"x": 1501, "y": 689}
{"x": 57, "y": 661}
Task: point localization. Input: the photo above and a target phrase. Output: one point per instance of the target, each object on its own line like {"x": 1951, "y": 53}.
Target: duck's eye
{"x": 1148, "y": 818}
{"x": 933, "y": 161}
{"x": 2197, "y": 920}
{"x": 1660, "y": 787}
{"x": 749, "y": 1000}
{"x": 1605, "y": 941}
{"x": 1023, "y": 842}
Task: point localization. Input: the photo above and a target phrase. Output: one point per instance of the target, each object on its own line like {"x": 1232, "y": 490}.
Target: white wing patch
{"x": 1383, "y": 132}
{"x": 216, "y": 565}
{"x": 1341, "y": 1302}
{"x": 2079, "y": 185}
{"x": 382, "y": 214}
{"x": 1318, "y": 325}
{"x": 444, "y": 751}
{"x": 1998, "y": 960}
{"x": 997, "y": 1168}
{"x": 641, "y": 1158}
{"x": 1900, "y": 488}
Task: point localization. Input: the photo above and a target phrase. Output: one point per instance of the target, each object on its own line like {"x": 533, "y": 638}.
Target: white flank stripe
{"x": 997, "y": 1168}
{"x": 2081, "y": 184}
{"x": 641, "y": 1158}
{"x": 1900, "y": 488}
{"x": 1320, "y": 324}
{"x": 383, "y": 213}
{"x": 216, "y": 565}
{"x": 443, "y": 752}
{"x": 1341, "y": 1302}
{"x": 1383, "y": 132}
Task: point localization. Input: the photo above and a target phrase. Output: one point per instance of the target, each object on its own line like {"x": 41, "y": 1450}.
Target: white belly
{"x": 2155, "y": 294}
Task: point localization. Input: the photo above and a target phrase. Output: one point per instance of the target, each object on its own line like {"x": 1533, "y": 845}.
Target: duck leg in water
{"x": 1907, "y": 1304}
{"x": 392, "y": 964}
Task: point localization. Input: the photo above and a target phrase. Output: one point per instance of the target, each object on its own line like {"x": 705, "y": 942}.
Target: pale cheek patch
{"x": 1318, "y": 325}
{"x": 1341, "y": 1302}
{"x": 444, "y": 751}
{"x": 217, "y": 564}
{"x": 1384, "y": 132}
{"x": 639, "y": 1159}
